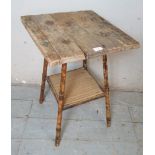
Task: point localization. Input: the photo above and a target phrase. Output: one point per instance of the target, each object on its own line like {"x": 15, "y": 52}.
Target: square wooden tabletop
{"x": 72, "y": 36}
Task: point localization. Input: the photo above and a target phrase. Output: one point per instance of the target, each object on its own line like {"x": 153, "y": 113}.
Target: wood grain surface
{"x": 72, "y": 36}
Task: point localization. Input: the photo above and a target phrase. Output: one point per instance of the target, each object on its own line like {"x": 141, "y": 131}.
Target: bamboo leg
{"x": 60, "y": 104}
{"x": 106, "y": 89}
{"x": 85, "y": 64}
{"x": 44, "y": 75}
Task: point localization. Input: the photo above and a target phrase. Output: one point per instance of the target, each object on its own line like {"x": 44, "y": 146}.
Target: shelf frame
{"x": 87, "y": 79}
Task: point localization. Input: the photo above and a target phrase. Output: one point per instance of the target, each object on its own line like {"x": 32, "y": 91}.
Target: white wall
{"x": 125, "y": 69}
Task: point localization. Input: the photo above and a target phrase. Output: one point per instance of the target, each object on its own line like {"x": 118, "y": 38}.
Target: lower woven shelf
{"x": 80, "y": 87}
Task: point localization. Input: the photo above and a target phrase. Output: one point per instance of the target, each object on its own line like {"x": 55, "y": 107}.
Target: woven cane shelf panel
{"x": 80, "y": 87}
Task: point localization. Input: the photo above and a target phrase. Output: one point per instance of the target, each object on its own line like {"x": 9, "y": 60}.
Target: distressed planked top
{"x": 73, "y": 36}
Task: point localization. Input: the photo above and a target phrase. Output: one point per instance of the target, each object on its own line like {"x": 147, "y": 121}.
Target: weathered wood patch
{"x": 70, "y": 36}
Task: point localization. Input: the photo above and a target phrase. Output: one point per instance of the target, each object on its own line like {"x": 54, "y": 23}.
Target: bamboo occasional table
{"x": 70, "y": 37}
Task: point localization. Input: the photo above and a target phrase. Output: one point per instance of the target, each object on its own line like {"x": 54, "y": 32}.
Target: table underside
{"x": 80, "y": 87}
{"x": 72, "y": 36}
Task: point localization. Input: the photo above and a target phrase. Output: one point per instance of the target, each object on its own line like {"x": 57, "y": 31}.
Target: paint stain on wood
{"x": 48, "y": 22}
{"x": 105, "y": 34}
{"x": 45, "y": 43}
{"x": 69, "y": 23}
{"x": 66, "y": 41}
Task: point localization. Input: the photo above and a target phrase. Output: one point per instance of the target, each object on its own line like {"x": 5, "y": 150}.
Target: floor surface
{"x": 84, "y": 131}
